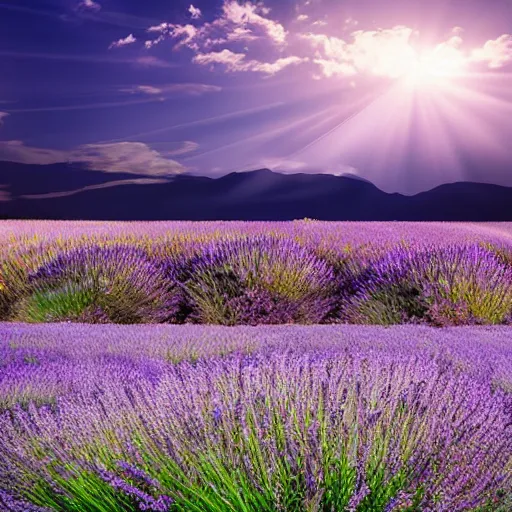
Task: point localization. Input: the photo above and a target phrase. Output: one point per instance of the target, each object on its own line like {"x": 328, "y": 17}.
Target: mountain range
{"x": 68, "y": 191}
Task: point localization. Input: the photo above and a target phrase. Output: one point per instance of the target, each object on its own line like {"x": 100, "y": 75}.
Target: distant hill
{"x": 64, "y": 191}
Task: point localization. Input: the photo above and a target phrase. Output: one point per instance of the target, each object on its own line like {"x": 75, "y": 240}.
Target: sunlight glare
{"x": 435, "y": 68}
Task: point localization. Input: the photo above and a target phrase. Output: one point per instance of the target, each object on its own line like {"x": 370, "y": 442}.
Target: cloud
{"x": 232, "y": 61}
{"x": 253, "y": 14}
{"x": 496, "y": 53}
{"x": 383, "y": 52}
{"x": 148, "y": 61}
{"x": 237, "y": 62}
{"x": 271, "y": 68}
{"x": 391, "y": 53}
{"x": 129, "y": 157}
{"x": 191, "y": 89}
{"x": 333, "y": 68}
{"x": 142, "y": 89}
{"x": 351, "y": 22}
{"x": 123, "y": 42}
{"x": 184, "y": 33}
{"x": 241, "y": 34}
{"x": 109, "y": 184}
{"x": 132, "y": 157}
{"x": 185, "y": 147}
{"x": 237, "y": 22}
{"x": 163, "y": 27}
{"x": 448, "y": 55}
{"x": 3, "y": 115}
{"x": 195, "y": 13}
{"x": 90, "y": 4}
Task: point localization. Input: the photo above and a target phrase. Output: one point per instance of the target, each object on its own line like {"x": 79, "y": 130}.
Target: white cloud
{"x": 186, "y": 34}
{"x": 129, "y": 157}
{"x": 237, "y": 62}
{"x": 351, "y": 22}
{"x": 163, "y": 27}
{"x": 3, "y": 115}
{"x": 153, "y": 42}
{"x": 496, "y": 53}
{"x": 195, "y": 12}
{"x": 448, "y": 55}
{"x": 333, "y": 68}
{"x": 254, "y": 14}
{"x": 302, "y": 17}
{"x": 90, "y": 4}
{"x": 191, "y": 89}
{"x": 271, "y": 68}
{"x": 383, "y": 52}
{"x": 241, "y": 34}
{"x": 232, "y": 61}
{"x": 130, "y": 39}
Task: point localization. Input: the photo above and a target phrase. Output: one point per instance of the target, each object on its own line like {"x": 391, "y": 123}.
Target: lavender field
{"x": 402, "y": 401}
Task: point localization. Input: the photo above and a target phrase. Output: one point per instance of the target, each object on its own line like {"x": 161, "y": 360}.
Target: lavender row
{"x": 255, "y": 279}
{"x": 335, "y": 233}
{"x": 255, "y": 418}
{"x": 483, "y": 352}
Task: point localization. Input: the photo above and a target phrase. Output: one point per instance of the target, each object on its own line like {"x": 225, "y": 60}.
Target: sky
{"x": 405, "y": 93}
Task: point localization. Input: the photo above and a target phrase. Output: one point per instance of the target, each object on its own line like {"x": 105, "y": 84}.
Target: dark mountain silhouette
{"x": 65, "y": 191}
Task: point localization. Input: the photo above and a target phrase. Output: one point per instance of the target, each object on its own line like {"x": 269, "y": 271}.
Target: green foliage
{"x": 67, "y": 303}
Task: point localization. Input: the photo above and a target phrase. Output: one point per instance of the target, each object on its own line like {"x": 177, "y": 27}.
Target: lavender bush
{"x": 259, "y": 280}
{"x": 115, "y": 284}
{"x": 452, "y": 285}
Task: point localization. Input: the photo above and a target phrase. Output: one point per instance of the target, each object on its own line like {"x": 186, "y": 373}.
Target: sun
{"x": 436, "y": 68}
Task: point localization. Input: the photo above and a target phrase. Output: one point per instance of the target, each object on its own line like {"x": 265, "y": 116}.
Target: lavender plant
{"x": 259, "y": 280}
{"x": 93, "y": 284}
{"x": 445, "y": 286}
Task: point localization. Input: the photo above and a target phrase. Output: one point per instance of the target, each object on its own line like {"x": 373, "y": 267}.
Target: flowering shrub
{"x": 117, "y": 284}
{"x": 446, "y": 286}
{"x": 259, "y": 280}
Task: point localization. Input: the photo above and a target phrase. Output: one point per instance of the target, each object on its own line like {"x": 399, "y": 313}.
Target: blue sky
{"x": 406, "y": 93}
